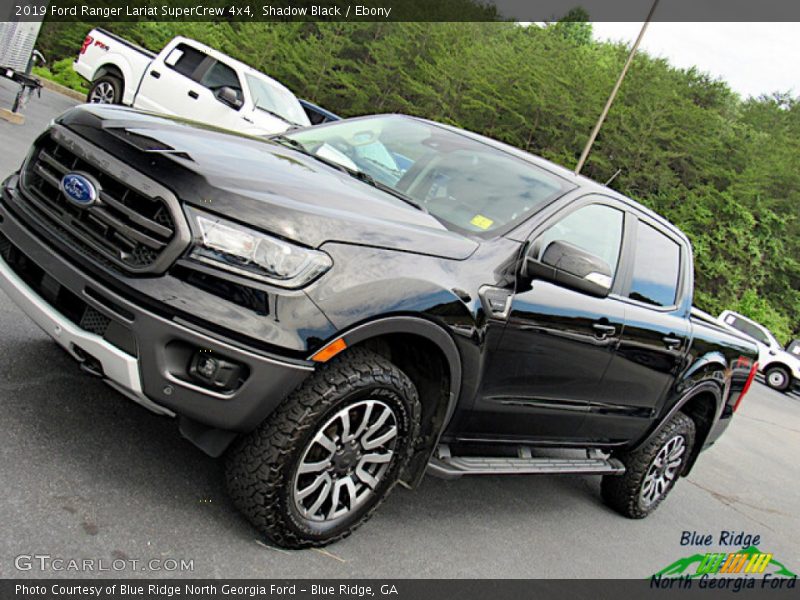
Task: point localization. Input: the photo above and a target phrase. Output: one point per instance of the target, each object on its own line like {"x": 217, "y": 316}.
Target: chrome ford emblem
{"x": 79, "y": 189}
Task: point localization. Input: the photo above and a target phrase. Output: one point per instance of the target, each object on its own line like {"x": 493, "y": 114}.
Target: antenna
{"x": 614, "y": 91}
{"x": 613, "y": 177}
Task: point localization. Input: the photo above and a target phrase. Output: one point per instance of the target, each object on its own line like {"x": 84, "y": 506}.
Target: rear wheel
{"x": 778, "y": 378}
{"x": 105, "y": 90}
{"x": 323, "y": 462}
{"x": 650, "y": 471}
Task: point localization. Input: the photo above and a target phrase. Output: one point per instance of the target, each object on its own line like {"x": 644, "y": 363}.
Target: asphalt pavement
{"x": 86, "y": 474}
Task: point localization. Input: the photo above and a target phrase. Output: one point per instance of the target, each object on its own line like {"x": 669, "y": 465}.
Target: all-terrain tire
{"x": 626, "y": 494}
{"x": 262, "y": 467}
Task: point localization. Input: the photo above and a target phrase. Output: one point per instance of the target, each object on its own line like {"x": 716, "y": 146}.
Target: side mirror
{"x": 230, "y": 96}
{"x": 566, "y": 264}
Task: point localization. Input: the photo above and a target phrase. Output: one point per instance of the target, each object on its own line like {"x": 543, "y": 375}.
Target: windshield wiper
{"x": 370, "y": 180}
{"x": 277, "y": 116}
{"x": 292, "y": 143}
{"x": 355, "y": 173}
{"x": 382, "y": 166}
{"x": 287, "y": 141}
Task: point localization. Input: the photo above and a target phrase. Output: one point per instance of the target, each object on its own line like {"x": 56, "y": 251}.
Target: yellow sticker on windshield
{"x": 481, "y": 221}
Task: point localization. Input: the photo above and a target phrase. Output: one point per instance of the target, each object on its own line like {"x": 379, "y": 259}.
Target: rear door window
{"x": 747, "y": 328}
{"x": 656, "y": 268}
{"x": 185, "y": 60}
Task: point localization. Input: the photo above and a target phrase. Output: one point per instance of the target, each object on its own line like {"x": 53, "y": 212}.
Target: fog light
{"x": 206, "y": 366}
{"x": 214, "y": 371}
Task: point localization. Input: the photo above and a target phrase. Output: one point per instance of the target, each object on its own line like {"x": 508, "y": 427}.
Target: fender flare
{"x": 777, "y": 363}
{"x": 704, "y": 387}
{"x": 423, "y": 328}
{"x": 214, "y": 442}
{"x": 124, "y": 69}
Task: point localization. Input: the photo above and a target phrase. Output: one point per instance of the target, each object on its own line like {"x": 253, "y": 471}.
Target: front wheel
{"x": 650, "y": 471}
{"x": 778, "y": 378}
{"x": 323, "y": 462}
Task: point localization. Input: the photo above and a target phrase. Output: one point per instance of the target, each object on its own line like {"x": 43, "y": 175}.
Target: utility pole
{"x": 614, "y": 91}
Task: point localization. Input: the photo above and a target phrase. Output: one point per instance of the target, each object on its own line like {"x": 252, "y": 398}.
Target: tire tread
{"x": 259, "y": 465}
{"x": 621, "y": 492}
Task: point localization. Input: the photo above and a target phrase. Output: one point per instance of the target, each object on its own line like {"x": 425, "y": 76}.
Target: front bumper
{"x": 121, "y": 370}
{"x": 150, "y": 367}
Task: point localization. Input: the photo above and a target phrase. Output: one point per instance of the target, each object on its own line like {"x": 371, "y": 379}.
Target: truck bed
{"x": 704, "y": 319}
{"x": 149, "y": 53}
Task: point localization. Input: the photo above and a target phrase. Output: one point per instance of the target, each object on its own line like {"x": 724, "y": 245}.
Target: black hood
{"x": 263, "y": 184}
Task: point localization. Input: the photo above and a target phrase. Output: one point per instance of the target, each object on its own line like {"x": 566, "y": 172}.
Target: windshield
{"x": 271, "y": 98}
{"x": 466, "y": 184}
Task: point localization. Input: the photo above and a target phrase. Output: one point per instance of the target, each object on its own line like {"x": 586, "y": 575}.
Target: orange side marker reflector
{"x": 329, "y": 351}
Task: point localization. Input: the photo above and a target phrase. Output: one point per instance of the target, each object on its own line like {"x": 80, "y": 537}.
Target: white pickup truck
{"x": 187, "y": 79}
{"x": 781, "y": 368}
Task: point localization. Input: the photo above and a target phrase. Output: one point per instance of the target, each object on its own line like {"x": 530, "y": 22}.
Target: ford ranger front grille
{"x": 141, "y": 232}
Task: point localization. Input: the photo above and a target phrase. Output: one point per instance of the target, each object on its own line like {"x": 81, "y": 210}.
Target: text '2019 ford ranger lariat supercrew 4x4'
{"x": 350, "y": 305}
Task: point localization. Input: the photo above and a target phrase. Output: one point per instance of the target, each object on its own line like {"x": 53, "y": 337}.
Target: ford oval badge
{"x": 79, "y": 189}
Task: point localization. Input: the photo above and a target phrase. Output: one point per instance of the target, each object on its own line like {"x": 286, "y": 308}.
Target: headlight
{"x": 253, "y": 254}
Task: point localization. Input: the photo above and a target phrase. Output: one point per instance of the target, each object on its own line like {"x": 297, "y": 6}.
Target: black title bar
{"x": 399, "y": 589}
{"x": 100, "y": 11}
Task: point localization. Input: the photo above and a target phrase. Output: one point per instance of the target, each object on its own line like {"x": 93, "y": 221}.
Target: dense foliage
{"x": 722, "y": 168}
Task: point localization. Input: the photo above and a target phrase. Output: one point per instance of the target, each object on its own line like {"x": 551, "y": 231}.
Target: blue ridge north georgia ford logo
{"x": 79, "y": 189}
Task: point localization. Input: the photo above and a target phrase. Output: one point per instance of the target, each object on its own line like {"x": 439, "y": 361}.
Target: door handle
{"x": 155, "y": 74}
{"x": 671, "y": 342}
{"x": 603, "y": 330}
{"x": 193, "y": 95}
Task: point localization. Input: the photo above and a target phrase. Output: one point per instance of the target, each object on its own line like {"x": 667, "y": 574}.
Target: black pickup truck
{"x": 351, "y": 305}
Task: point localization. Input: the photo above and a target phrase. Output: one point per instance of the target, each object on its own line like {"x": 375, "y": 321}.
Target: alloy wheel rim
{"x": 777, "y": 378}
{"x": 345, "y": 461}
{"x": 103, "y": 93}
{"x": 662, "y": 471}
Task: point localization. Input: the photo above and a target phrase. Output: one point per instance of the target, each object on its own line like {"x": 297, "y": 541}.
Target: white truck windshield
{"x": 275, "y": 100}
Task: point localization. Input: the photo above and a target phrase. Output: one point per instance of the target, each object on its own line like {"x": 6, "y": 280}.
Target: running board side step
{"x": 452, "y": 467}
